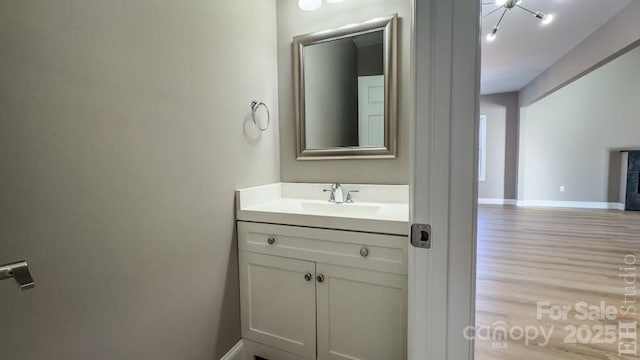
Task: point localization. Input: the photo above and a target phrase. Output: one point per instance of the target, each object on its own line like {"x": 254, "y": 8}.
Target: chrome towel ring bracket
{"x": 255, "y": 105}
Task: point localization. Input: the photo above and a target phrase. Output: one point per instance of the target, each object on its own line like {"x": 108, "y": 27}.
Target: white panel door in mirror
{"x": 371, "y": 111}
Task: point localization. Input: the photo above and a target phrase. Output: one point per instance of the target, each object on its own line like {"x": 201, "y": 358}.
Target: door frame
{"x": 444, "y": 167}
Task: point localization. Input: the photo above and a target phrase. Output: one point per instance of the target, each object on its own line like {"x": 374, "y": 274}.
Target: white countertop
{"x": 376, "y": 208}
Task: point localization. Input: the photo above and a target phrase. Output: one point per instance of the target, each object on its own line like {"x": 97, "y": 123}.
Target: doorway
{"x": 557, "y": 257}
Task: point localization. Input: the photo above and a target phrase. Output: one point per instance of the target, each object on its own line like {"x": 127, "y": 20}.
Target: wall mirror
{"x": 345, "y": 82}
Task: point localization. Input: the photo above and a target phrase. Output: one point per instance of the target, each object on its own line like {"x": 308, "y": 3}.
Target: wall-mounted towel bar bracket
{"x": 19, "y": 271}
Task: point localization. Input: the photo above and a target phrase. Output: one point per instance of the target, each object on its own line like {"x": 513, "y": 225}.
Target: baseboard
{"x": 235, "y": 353}
{"x": 489, "y": 201}
{"x": 251, "y": 349}
{"x": 571, "y": 204}
{"x": 621, "y": 206}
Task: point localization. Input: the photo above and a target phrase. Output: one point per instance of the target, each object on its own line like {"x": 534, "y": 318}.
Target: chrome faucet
{"x": 336, "y": 194}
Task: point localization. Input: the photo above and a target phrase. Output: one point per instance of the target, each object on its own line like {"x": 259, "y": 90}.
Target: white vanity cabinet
{"x": 278, "y": 302}
{"x": 310, "y": 293}
{"x": 360, "y": 314}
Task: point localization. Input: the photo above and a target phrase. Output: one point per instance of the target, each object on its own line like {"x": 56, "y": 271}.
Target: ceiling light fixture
{"x": 492, "y": 34}
{"x": 507, "y": 5}
{"x": 310, "y": 5}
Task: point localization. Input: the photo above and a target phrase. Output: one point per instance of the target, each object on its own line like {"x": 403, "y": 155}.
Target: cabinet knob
{"x": 320, "y": 278}
{"x": 308, "y": 276}
{"x": 271, "y": 240}
{"x": 364, "y": 252}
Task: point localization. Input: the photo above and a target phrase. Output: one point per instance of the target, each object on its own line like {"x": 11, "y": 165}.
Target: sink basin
{"x": 341, "y": 209}
{"x": 377, "y": 208}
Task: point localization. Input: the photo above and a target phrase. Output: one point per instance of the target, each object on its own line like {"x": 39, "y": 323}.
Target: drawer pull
{"x": 364, "y": 252}
{"x": 308, "y": 276}
{"x": 320, "y": 278}
{"x": 271, "y": 240}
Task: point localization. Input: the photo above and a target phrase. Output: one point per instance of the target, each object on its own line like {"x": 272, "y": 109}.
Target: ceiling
{"x": 524, "y": 47}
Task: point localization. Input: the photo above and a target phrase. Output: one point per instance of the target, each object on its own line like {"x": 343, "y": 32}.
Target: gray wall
{"x": 567, "y": 137}
{"x": 371, "y": 60}
{"x": 291, "y": 22}
{"x": 331, "y": 90}
{"x": 121, "y": 144}
{"x": 502, "y": 146}
{"x": 610, "y": 40}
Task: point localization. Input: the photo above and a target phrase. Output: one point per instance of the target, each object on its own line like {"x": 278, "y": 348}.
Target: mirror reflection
{"x": 344, "y": 92}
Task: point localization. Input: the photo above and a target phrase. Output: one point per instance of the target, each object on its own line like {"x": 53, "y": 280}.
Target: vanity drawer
{"x": 387, "y": 253}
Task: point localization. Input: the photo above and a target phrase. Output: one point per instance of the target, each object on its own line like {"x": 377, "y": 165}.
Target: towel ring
{"x": 255, "y": 105}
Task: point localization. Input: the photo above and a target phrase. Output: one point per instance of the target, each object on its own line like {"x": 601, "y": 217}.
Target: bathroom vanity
{"x": 319, "y": 279}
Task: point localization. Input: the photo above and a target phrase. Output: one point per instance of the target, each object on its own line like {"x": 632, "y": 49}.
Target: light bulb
{"x": 309, "y": 5}
{"x": 501, "y": 2}
{"x": 492, "y": 34}
{"x": 335, "y": 1}
{"x": 547, "y": 19}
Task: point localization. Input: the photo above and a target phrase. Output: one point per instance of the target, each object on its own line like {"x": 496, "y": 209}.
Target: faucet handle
{"x": 332, "y": 195}
{"x": 349, "y": 198}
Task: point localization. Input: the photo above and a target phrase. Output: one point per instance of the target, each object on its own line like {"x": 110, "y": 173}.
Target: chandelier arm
{"x": 501, "y": 17}
{"x": 493, "y": 11}
{"x": 527, "y": 10}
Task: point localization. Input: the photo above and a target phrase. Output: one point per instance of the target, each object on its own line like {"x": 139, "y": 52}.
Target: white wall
{"x": 570, "y": 137}
{"x": 501, "y": 146}
{"x": 612, "y": 38}
{"x": 121, "y": 144}
{"x": 291, "y": 22}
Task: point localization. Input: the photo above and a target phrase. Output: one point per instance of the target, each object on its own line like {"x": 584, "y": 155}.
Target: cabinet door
{"x": 278, "y": 306}
{"x": 361, "y": 314}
